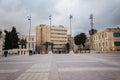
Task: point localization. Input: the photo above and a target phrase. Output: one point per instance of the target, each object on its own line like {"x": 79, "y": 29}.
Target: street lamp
{"x": 29, "y": 18}
{"x": 71, "y": 41}
{"x": 50, "y": 18}
{"x": 71, "y": 17}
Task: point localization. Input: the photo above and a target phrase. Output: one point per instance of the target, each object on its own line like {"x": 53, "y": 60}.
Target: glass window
{"x": 117, "y": 43}
{"x": 116, "y": 34}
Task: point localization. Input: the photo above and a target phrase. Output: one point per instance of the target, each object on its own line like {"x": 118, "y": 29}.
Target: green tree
{"x": 7, "y": 44}
{"x": 68, "y": 47}
{"x": 0, "y": 33}
{"x": 11, "y": 39}
{"x": 80, "y": 40}
{"x": 23, "y": 43}
{"x": 15, "y": 38}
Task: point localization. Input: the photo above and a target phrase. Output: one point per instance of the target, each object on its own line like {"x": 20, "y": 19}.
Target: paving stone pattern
{"x": 61, "y": 67}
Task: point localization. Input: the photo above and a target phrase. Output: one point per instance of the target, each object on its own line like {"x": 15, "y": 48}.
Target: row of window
{"x": 100, "y": 36}
{"x": 103, "y": 44}
{"x": 58, "y": 30}
{"x": 59, "y": 33}
{"x": 58, "y": 40}
{"x": 58, "y": 37}
{"x": 31, "y": 39}
{"x": 117, "y": 43}
{"x": 116, "y": 34}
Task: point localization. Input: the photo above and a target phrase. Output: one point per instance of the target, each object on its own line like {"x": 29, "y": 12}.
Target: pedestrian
{"x": 5, "y": 53}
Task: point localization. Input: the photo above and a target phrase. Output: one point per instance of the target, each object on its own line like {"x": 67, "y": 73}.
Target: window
{"x": 116, "y": 34}
{"x": 117, "y": 43}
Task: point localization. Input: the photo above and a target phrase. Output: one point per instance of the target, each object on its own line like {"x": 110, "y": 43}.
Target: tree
{"x": 80, "y": 39}
{"x": 11, "y": 39}
{"x": 7, "y": 44}
{"x": 0, "y": 33}
{"x": 15, "y": 38}
{"x": 68, "y": 47}
{"x": 23, "y": 43}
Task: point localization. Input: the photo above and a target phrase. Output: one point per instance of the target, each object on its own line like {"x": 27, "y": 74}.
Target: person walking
{"x": 5, "y": 53}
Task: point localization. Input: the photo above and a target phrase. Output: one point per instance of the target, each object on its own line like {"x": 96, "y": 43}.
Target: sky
{"x": 106, "y": 14}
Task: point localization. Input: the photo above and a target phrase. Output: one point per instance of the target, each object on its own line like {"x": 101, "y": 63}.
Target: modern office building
{"x": 107, "y": 40}
{"x": 55, "y": 37}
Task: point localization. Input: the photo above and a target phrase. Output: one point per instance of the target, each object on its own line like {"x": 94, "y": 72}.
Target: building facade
{"x": 57, "y": 36}
{"x": 107, "y": 40}
{"x": 1, "y": 45}
{"x": 2, "y": 36}
{"x": 30, "y": 41}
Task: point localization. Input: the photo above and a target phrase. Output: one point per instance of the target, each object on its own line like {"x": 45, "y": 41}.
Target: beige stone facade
{"x": 107, "y": 40}
{"x": 53, "y": 34}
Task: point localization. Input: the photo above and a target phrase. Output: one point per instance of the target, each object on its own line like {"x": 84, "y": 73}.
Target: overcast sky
{"x": 14, "y": 13}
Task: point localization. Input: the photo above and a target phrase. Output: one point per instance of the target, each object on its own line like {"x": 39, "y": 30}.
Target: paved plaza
{"x": 61, "y": 67}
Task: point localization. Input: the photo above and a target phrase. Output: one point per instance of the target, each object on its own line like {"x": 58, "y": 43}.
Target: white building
{"x": 30, "y": 41}
{"x": 1, "y": 42}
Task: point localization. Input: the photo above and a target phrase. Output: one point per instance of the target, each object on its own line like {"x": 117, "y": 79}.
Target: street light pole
{"x": 29, "y": 18}
{"x": 50, "y": 18}
{"x": 70, "y": 25}
{"x": 71, "y": 40}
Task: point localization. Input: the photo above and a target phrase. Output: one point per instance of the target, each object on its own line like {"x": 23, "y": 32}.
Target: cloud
{"x": 15, "y": 12}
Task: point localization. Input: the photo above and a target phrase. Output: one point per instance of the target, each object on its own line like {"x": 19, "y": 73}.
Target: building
{"x": 2, "y": 36}
{"x": 31, "y": 42}
{"x": 54, "y": 37}
{"x": 107, "y": 40}
{"x": 1, "y": 45}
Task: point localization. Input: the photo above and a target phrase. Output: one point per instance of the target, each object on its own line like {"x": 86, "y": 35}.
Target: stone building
{"x": 107, "y": 40}
{"x": 54, "y": 37}
{"x": 30, "y": 41}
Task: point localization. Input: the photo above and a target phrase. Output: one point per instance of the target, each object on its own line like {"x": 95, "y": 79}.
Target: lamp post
{"x": 71, "y": 17}
{"x": 29, "y": 18}
{"x": 50, "y": 18}
{"x": 71, "y": 40}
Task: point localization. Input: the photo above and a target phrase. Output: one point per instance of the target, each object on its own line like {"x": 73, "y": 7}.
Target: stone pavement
{"x": 61, "y": 67}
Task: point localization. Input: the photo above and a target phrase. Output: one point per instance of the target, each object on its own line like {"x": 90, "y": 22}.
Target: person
{"x": 5, "y": 53}
{"x": 30, "y": 52}
{"x": 59, "y": 52}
